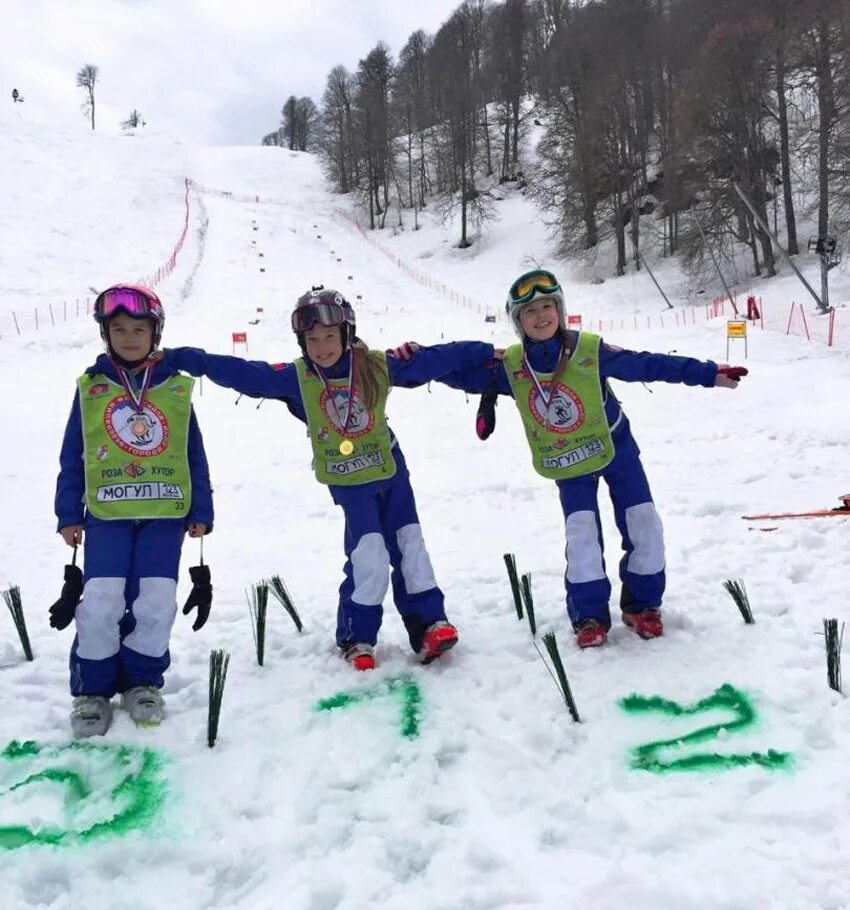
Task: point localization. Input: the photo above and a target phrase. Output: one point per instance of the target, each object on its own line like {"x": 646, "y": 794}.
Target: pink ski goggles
{"x": 135, "y": 302}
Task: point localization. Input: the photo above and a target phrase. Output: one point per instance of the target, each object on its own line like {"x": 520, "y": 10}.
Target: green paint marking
{"x": 728, "y": 698}
{"x": 134, "y": 791}
{"x": 77, "y": 788}
{"x": 402, "y": 686}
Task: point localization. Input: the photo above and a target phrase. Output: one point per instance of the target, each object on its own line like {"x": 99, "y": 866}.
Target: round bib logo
{"x": 565, "y": 413}
{"x": 136, "y": 431}
{"x": 359, "y": 422}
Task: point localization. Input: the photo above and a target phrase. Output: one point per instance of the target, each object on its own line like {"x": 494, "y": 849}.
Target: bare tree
{"x": 306, "y": 121}
{"x": 825, "y": 39}
{"x": 411, "y": 112}
{"x": 274, "y": 138}
{"x": 509, "y": 36}
{"x": 375, "y": 74}
{"x": 727, "y": 122}
{"x": 569, "y": 176}
{"x": 452, "y": 64}
{"x": 338, "y": 146}
{"x": 289, "y": 124}
{"x": 300, "y": 118}
{"x": 87, "y": 79}
{"x": 134, "y": 119}
{"x": 840, "y": 166}
{"x": 781, "y": 12}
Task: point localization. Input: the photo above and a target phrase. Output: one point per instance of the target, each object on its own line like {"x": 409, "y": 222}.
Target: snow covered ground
{"x": 495, "y": 800}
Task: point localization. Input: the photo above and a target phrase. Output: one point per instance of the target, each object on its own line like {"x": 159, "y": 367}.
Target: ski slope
{"x": 494, "y": 799}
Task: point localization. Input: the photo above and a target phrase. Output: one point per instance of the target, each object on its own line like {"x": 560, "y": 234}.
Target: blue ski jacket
{"x": 69, "y": 503}
{"x": 259, "y": 379}
{"x": 614, "y": 363}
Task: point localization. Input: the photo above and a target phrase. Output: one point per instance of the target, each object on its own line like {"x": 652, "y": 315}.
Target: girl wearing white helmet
{"x": 577, "y": 432}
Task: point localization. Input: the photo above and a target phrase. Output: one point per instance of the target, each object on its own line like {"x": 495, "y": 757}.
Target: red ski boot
{"x": 360, "y": 655}
{"x": 647, "y": 623}
{"x": 438, "y": 638}
{"x": 590, "y": 633}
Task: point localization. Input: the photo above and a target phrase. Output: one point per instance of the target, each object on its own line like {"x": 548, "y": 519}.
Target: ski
{"x": 838, "y": 512}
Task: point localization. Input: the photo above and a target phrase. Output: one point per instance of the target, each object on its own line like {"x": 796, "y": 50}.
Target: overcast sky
{"x": 215, "y": 70}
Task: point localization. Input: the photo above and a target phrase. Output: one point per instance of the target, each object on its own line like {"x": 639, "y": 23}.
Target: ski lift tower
{"x": 830, "y": 256}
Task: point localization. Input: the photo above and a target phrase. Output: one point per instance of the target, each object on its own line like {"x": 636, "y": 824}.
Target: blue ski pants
{"x": 642, "y": 565}
{"x": 382, "y": 538}
{"x": 129, "y": 603}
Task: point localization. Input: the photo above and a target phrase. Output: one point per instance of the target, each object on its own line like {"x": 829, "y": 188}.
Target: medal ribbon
{"x": 138, "y": 398}
{"x": 329, "y": 390}
{"x": 546, "y": 398}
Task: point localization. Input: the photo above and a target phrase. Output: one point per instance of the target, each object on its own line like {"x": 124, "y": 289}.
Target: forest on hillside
{"x": 683, "y": 126}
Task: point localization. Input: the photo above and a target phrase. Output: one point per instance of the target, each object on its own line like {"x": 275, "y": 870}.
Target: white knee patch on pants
{"x": 98, "y": 616}
{"x": 370, "y": 566}
{"x": 647, "y": 536}
{"x": 154, "y": 609}
{"x": 416, "y": 568}
{"x": 584, "y": 555}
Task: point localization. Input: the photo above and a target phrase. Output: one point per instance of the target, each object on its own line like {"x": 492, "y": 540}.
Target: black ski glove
{"x": 62, "y": 612}
{"x": 200, "y": 596}
{"x": 485, "y": 419}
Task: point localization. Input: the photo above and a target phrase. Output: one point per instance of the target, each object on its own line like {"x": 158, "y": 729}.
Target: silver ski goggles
{"x": 530, "y": 284}
{"x": 305, "y": 317}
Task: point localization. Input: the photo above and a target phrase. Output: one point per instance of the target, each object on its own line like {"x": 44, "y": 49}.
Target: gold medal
{"x": 346, "y": 447}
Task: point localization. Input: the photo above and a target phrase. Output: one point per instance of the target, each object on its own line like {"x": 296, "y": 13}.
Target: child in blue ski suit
{"x": 339, "y": 389}
{"x": 133, "y": 481}
{"x": 577, "y": 433}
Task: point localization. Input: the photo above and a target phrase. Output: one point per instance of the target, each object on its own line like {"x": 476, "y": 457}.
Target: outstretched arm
{"x": 643, "y": 366}
{"x": 251, "y": 377}
{"x": 488, "y": 377}
{"x": 427, "y": 363}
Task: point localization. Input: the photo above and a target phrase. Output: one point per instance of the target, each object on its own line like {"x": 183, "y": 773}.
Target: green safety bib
{"x": 356, "y": 454}
{"x": 570, "y": 437}
{"x": 136, "y": 459}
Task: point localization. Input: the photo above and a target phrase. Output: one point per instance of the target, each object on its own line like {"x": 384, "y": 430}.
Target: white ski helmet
{"x": 531, "y": 286}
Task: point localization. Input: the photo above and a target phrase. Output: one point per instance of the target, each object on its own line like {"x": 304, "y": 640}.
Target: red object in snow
{"x": 842, "y": 511}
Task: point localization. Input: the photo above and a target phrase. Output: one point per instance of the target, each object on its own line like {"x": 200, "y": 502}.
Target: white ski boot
{"x": 90, "y": 716}
{"x": 145, "y": 705}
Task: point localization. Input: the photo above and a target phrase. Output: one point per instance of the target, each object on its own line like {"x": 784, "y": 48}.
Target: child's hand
{"x": 404, "y": 351}
{"x": 498, "y": 353}
{"x": 196, "y": 529}
{"x": 728, "y": 377}
{"x": 72, "y": 534}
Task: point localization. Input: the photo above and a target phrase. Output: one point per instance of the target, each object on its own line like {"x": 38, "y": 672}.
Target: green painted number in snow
{"x": 108, "y": 791}
{"x": 403, "y": 687}
{"x": 727, "y": 698}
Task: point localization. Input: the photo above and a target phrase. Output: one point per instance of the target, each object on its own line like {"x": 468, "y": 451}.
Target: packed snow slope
{"x": 463, "y": 785}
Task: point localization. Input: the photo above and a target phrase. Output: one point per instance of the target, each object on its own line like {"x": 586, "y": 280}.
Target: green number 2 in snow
{"x": 121, "y": 784}
{"x": 646, "y": 757}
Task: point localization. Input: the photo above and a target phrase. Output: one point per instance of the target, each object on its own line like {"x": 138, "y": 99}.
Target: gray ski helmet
{"x": 532, "y": 286}
{"x": 327, "y": 307}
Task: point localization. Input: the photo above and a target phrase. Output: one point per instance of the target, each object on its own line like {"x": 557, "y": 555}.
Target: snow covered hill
{"x": 486, "y": 796}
